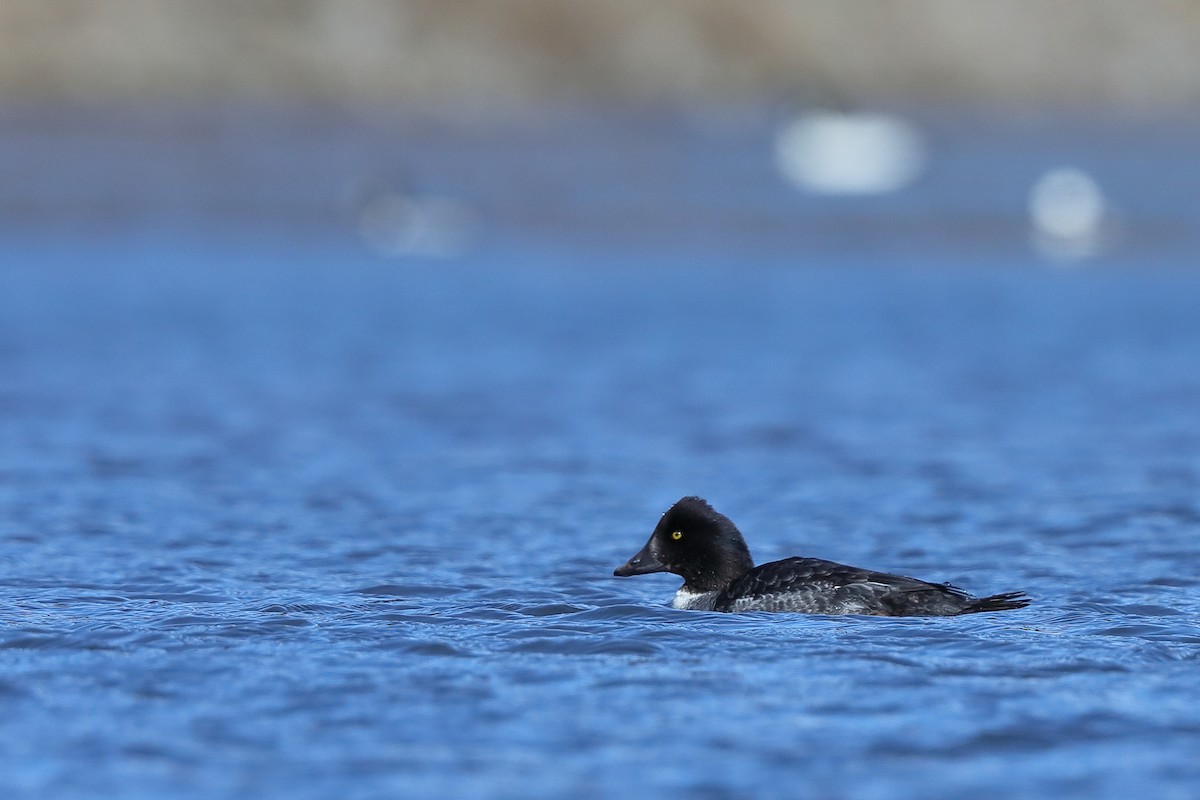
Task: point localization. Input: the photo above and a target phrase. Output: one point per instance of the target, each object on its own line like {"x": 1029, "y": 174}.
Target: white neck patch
{"x": 694, "y": 601}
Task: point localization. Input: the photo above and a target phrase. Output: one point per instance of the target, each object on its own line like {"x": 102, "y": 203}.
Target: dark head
{"x": 695, "y": 542}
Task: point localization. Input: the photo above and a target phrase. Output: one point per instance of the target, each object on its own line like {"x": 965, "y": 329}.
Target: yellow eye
{"x": 677, "y": 535}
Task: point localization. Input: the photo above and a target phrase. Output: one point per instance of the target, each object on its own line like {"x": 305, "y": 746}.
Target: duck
{"x": 704, "y": 547}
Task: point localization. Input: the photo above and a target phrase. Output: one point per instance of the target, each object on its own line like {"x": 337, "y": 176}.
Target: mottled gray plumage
{"x": 705, "y": 548}
{"x": 815, "y": 586}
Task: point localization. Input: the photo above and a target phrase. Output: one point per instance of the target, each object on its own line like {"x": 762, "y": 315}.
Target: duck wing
{"x": 816, "y": 586}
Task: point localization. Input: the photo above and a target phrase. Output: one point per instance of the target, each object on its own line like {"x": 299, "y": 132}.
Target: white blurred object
{"x": 834, "y": 153}
{"x": 1067, "y": 211}
{"x": 396, "y": 224}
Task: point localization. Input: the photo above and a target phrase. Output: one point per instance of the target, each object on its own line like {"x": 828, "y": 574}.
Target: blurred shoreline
{"x": 1107, "y": 55}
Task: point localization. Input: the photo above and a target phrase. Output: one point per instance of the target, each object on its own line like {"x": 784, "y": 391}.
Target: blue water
{"x": 282, "y": 518}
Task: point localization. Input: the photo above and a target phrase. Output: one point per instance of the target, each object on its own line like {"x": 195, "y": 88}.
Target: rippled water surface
{"x": 291, "y": 520}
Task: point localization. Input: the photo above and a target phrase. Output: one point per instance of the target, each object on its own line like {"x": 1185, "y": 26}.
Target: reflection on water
{"x": 395, "y": 223}
{"x": 1068, "y": 212}
{"x": 849, "y": 153}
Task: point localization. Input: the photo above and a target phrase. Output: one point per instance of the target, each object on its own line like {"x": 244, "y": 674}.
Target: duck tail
{"x": 998, "y": 602}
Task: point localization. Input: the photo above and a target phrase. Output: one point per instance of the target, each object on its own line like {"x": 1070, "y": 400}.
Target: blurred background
{"x": 724, "y": 118}
{"x": 1099, "y": 54}
{"x": 346, "y": 347}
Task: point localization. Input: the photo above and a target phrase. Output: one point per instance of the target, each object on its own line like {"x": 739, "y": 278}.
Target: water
{"x": 285, "y": 519}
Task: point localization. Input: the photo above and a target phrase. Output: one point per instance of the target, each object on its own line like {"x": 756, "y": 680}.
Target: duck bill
{"x": 641, "y": 564}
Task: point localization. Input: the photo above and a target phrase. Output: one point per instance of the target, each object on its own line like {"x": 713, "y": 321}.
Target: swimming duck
{"x": 707, "y": 550}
